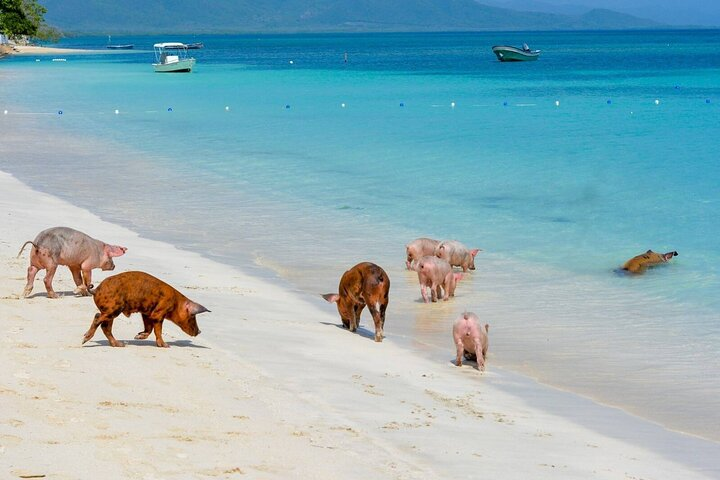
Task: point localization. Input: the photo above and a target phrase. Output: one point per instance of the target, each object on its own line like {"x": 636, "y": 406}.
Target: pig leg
{"x": 157, "y": 327}
{"x": 31, "y": 272}
{"x": 435, "y": 292}
{"x": 378, "y": 319}
{"x": 424, "y": 294}
{"x": 87, "y": 280}
{"x": 102, "y": 319}
{"x": 77, "y": 277}
{"x": 48, "y": 281}
{"x": 107, "y": 330}
{"x": 479, "y": 354}
{"x": 355, "y": 321}
{"x": 148, "y": 324}
{"x": 460, "y": 350}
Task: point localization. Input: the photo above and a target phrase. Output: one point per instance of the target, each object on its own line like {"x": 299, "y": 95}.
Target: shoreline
{"x": 28, "y": 50}
{"x": 298, "y": 371}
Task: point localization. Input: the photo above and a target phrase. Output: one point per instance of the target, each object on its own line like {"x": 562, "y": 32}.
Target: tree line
{"x": 25, "y": 18}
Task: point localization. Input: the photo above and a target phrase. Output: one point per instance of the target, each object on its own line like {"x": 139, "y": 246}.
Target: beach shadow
{"x": 362, "y": 331}
{"x": 147, "y": 343}
{"x": 66, "y": 293}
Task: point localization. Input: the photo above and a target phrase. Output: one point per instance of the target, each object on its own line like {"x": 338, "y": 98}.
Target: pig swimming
{"x": 640, "y": 263}
{"x": 418, "y": 248}
{"x": 456, "y": 254}
{"x": 436, "y": 274}
{"x": 132, "y": 292}
{"x": 364, "y": 284}
{"x": 78, "y": 251}
{"x": 471, "y": 339}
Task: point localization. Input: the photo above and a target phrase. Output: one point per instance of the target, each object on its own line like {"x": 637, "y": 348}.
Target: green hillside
{"x": 228, "y": 16}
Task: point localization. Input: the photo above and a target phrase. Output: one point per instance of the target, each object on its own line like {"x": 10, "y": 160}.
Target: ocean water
{"x": 278, "y": 156}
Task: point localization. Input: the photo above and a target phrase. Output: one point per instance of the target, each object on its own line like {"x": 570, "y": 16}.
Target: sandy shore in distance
{"x": 34, "y": 50}
{"x": 272, "y": 388}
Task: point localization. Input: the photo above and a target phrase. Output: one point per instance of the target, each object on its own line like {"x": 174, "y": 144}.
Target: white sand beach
{"x": 273, "y": 388}
{"x": 29, "y": 50}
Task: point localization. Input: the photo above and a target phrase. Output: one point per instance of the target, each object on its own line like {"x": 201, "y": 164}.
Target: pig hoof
{"x": 86, "y": 337}
{"x": 53, "y": 295}
{"x": 141, "y": 336}
{"x": 117, "y": 344}
{"x": 26, "y": 292}
{"x": 458, "y": 363}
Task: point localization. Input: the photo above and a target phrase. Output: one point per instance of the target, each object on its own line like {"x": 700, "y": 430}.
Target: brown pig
{"x": 457, "y": 254}
{"x": 419, "y": 248}
{"x": 132, "y": 292}
{"x": 640, "y": 263}
{"x": 436, "y": 274}
{"x": 65, "y": 246}
{"x": 471, "y": 339}
{"x": 364, "y": 284}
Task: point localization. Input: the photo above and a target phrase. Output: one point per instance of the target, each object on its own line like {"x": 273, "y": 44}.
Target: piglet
{"x": 457, "y": 254}
{"x": 65, "y": 246}
{"x": 364, "y": 284}
{"x": 418, "y": 248}
{"x": 471, "y": 339}
{"x": 640, "y": 263}
{"x": 436, "y": 274}
{"x": 132, "y": 292}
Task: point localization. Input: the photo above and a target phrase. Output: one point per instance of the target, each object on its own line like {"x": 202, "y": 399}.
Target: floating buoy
{"x": 37, "y": 59}
{"x": 227, "y": 109}
{"x": 4, "y": 112}
{"x": 59, "y": 112}
{"x": 677, "y": 87}
{"x": 287, "y": 106}
{"x": 117, "y": 111}
{"x": 657, "y": 102}
{"x": 707, "y": 100}
{"x": 342, "y": 105}
{"x": 402, "y": 104}
{"x": 452, "y": 104}
{"x": 504, "y": 104}
{"x": 557, "y": 103}
{"x": 609, "y": 102}
{"x": 291, "y": 62}
{"x": 169, "y": 109}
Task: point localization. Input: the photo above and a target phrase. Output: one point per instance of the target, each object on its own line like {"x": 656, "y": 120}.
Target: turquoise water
{"x": 278, "y": 156}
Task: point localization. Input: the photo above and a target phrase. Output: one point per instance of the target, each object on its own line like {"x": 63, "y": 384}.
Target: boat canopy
{"x": 169, "y": 45}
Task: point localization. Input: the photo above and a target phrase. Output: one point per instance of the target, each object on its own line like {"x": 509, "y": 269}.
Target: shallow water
{"x": 254, "y": 160}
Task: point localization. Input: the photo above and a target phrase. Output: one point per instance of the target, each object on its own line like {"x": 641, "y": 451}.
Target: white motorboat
{"x": 172, "y": 57}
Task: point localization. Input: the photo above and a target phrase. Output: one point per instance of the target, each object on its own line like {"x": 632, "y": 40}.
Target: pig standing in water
{"x": 132, "y": 292}
{"x": 65, "y": 246}
{"x": 364, "y": 284}
{"x": 471, "y": 339}
{"x": 435, "y": 273}
{"x": 418, "y": 248}
{"x": 640, "y": 263}
{"x": 457, "y": 254}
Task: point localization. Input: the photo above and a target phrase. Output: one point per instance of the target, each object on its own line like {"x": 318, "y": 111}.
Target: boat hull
{"x": 512, "y": 54}
{"x": 120, "y": 47}
{"x": 184, "y": 65}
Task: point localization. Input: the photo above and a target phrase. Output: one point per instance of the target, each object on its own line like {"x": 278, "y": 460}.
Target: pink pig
{"x": 435, "y": 273}
{"x": 419, "y": 248}
{"x": 457, "y": 254}
{"x": 65, "y": 246}
{"x": 471, "y": 339}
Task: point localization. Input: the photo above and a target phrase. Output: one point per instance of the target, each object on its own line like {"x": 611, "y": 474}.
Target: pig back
{"x": 67, "y": 246}
{"x": 130, "y": 292}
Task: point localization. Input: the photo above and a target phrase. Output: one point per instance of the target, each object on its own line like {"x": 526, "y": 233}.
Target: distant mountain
{"x": 235, "y": 16}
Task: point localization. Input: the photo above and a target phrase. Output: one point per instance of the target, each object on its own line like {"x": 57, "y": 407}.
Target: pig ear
{"x": 331, "y": 297}
{"x": 114, "y": 250}
{"x": 475, "y": 251}
{"x": 195, "y": 308}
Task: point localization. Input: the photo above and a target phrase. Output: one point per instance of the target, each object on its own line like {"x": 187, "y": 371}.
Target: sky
{"x": 671, "y": 12}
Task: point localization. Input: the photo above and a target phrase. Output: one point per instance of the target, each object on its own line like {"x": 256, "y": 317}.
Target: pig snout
{"x": 191, "y": 327}
{"x": 108, "y": 264}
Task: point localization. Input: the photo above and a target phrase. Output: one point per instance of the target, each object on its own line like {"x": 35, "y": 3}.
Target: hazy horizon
{"x": 670, "y": 12}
